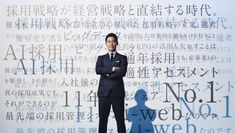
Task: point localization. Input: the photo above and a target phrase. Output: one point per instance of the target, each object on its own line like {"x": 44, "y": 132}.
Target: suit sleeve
{"x": 100, "y": 69}
{"x": 123, "y": 70}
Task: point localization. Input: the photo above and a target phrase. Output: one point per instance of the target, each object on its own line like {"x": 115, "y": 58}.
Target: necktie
{"x": 111, "y": 57}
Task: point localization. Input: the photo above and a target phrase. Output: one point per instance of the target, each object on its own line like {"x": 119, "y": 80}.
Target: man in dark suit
{"x": 112, "y": 68}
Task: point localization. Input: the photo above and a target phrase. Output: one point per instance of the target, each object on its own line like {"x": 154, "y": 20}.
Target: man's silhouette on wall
{"x": 140, "y": 115}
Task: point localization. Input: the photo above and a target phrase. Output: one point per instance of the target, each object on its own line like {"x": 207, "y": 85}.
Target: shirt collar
{"x": 114, "y": 53}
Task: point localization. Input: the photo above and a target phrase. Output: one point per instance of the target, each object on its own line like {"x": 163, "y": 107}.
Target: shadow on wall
{"x": 140, "y": 115}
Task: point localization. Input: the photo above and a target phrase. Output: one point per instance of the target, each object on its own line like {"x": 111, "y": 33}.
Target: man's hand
{"x": 116, "y": 69}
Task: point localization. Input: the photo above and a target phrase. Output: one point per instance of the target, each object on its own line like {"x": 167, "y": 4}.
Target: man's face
{"x": 111, "y": 44}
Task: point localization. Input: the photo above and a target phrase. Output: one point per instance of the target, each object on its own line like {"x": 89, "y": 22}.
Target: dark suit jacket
{"x": 109, "y": 80}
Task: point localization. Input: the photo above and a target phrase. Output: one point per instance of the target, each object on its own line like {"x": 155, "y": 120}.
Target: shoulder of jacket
{"x": 121, "y": 55}
{"x": 102, "y": 55}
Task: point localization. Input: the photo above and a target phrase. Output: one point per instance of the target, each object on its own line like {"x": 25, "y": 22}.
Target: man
{"x": 112, "y": 68}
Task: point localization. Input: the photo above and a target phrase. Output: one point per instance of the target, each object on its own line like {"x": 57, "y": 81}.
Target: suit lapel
{"x": 116, "y": 58}
{"x": 107, "y": 58}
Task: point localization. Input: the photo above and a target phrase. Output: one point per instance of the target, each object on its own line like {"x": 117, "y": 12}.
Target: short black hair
{"x": 111, "y": 35}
